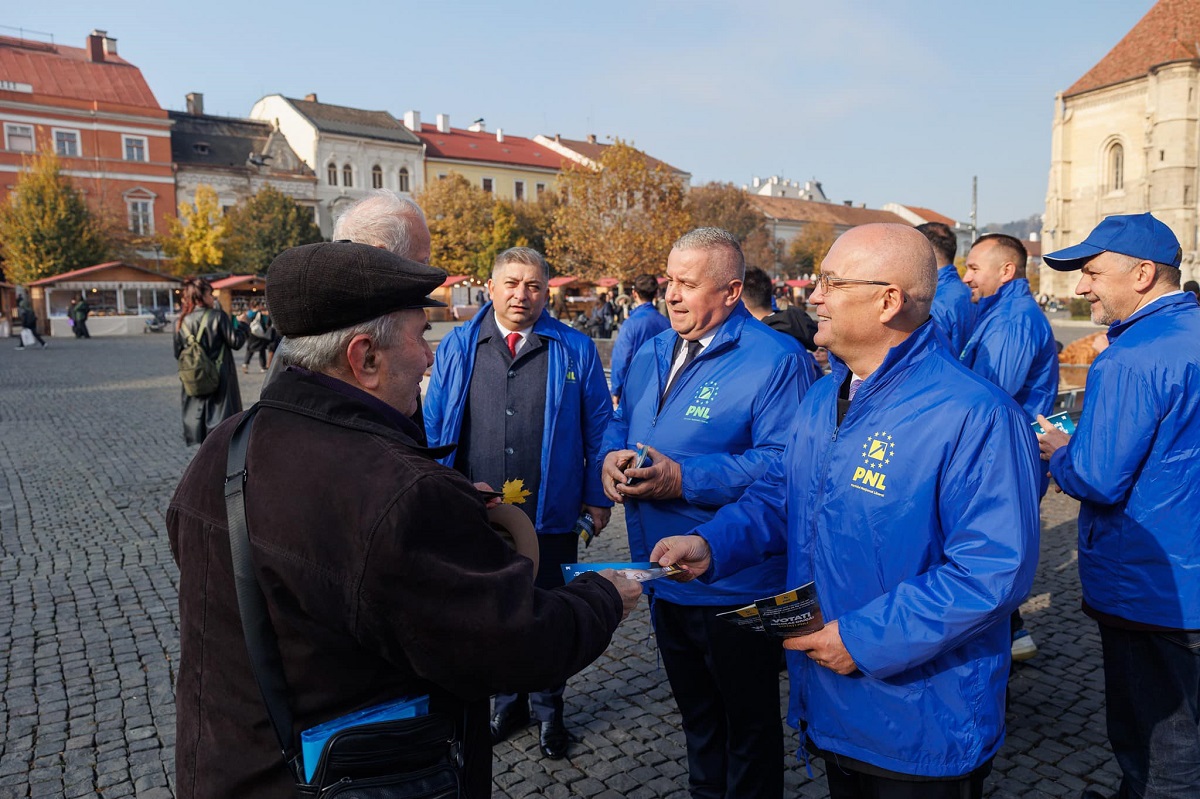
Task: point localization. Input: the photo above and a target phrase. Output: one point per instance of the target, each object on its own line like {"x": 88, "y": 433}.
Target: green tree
{"x": 618, "y": 220}
{"x": 46, "y": 227}
{"x": 462, "y": 229}
{"x": 195, "y": 239}
{"x": 263, "y": 226}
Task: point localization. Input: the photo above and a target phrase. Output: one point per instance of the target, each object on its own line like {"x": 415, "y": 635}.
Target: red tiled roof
{"x": 1033, "y": 248}
{"x": 454, "y": 279}
{"x": 834, "y": 214}
{"x": 931, "y": 216}
{"x": 61, "y": 71}
{"x": 595, "y": 150}
{"x": 798, "y": 284}
{"x": 469, "y": 145}
{"x": 236, "y": 281}
{"x": 89, "y": 270}
{"x": 1170, "y": 31}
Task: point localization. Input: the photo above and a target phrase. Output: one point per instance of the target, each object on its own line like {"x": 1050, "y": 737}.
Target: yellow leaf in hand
{"x": 514, "y": 492}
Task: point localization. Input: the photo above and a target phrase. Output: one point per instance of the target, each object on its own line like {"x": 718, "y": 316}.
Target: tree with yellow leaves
{"x": 617, "y": 220}
{"x": 194, "y": 240}
{"x": 809, "y": 248}
{"x": 46, "y": 227}
{"x": 461, "y": 225}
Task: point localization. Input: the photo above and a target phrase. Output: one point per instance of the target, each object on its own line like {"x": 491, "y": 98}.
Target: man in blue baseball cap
{"x": 1133, "y": 465}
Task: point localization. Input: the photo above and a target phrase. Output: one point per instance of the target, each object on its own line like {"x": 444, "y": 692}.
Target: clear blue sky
{"x": 880, "y": 100}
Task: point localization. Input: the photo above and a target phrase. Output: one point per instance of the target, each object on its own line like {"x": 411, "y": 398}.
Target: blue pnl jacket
{"x": 578, "y": 408}
{"x": 643, "y": 324}
{"x": 726, "y": 420}
{"x": 952, "y": 308}
{"x": 1134, "y": 464}
{"x": 1013, "y": 347}
{"x": 918, "y": 519}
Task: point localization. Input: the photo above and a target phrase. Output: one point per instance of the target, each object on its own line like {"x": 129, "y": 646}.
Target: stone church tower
{"x": 1126, "y": 139}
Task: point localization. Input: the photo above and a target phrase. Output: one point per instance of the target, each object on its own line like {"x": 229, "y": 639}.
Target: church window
{"x": 377, "y": 177}
{"x": 1116, "y": 166}
{"x": 331, "y": 174}
{"x": 404, "y": 179}
{"x": 347, "y": 176}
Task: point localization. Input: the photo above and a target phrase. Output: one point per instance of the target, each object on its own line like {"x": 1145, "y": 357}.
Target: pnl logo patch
{"x": 877, "y": 453}
{"x": 699, "y": 408}
{"x": 571, "y": 371}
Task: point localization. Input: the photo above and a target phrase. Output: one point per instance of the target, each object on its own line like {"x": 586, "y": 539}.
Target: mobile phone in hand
{"x": 640, "y": 461}
{"x": 490, "y": 494}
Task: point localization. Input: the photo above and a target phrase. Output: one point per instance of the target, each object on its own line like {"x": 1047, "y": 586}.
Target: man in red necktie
{"x": 525, "y": 399}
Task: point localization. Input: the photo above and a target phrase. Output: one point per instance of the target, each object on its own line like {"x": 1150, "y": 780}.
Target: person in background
{"x": 1193, "y": 287}
{"x": 792, "y": 322}
{"x": 1132, "y": 465}
{"x": 644, "y": 323}
{"x": 259, "y": 339}
{"x": 219, "y": 335}
{"x": 29, "y": 320}
{"x": 1013, "y": 347}
{"x": 952, "y": 308}
{"x": 78, "y": 312}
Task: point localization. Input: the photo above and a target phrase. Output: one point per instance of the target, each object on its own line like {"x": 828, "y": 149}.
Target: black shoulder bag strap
{"x": 261, "y": 642}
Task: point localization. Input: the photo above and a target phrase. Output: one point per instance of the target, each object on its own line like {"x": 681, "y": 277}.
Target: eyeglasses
{"x": 825, "y": 282}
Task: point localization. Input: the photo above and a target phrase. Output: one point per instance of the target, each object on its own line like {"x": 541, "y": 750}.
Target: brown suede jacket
{"x": 382, "y": 577}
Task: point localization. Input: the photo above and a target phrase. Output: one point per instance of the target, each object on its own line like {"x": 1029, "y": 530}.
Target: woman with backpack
{"x": 204, "y": 340}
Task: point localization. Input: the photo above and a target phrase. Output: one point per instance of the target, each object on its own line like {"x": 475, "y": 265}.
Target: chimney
{"x": 195, "y": 103}
{"x": 110, "y": 45}
{"x": 757, "y": 182}
{"x": 848, "y": 203}
{"x": 476, "y": 126}
{"x": 412, "y": 121}
{"x": 95, "y": 46}
{"x": 500, "y": 134}
{"x": 557, "y": 138}
{"x": 591, "y": 139}
{"x": 311, "y": 97}
{"x": 443, "y": 123}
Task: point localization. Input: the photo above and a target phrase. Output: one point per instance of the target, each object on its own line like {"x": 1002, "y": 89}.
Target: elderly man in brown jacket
{"x": 381, "y": 574}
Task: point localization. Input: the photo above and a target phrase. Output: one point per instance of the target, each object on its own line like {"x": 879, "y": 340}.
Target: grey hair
{"x": 321, "y": 353}
{"x": 713, "y": 239}
{"x": 1164, "y": 274}
{"x": 522, "y": 255}
{"x": 382, "y": 219}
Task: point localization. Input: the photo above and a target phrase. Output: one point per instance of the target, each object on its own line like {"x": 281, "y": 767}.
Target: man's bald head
{"x": 891, "y": 253}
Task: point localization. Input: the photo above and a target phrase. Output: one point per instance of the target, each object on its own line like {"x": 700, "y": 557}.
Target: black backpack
{"x": 200, "y": 374}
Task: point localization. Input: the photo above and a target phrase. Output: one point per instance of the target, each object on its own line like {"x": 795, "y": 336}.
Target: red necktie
{"x": 512, "y": 339}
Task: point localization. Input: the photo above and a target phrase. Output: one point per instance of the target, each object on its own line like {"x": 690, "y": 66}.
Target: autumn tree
{"x": 46, "y": 227}
{"x": 534, "y": 219}
{"x": 617, "y": 220}
{"x": 196, "y": 239}
{"x": 263, "y": 226}
{"x": 809, "y": 248}
{"x": 461, "y": 225}
{"x": 726, "y": 206}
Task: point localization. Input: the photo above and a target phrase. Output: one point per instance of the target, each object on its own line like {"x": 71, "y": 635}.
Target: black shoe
{"x": 508, "y": 721}
{"x": 553, "y": 740}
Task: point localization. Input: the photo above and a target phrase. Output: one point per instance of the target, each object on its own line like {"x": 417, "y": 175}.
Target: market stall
{"x": 235, "y": 292}
{"x": 122, "y": 298}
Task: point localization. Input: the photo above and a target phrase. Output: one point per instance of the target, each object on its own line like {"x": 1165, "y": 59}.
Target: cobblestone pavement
{"x": 90, "y": 452}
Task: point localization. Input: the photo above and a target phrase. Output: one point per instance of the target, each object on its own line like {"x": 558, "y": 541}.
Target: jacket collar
{"x": 546, "y": 325}
{"x": 923, "y": 342}
{"x": 315, "y": 396}
{"x": 1006, "y": 293}
{"x": 1172, "y": 304}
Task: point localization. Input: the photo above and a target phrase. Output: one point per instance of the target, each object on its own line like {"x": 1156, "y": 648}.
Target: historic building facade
{"x": 1126, "y": 138}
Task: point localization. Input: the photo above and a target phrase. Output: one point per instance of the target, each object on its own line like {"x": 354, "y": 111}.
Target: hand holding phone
{"x": 640, "y": 461}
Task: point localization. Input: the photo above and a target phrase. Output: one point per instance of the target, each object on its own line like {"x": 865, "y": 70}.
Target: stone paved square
{"x": 90, "y": 451}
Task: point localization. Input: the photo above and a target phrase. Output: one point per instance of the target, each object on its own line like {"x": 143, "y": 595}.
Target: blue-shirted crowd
{"x": 904, "y": 483}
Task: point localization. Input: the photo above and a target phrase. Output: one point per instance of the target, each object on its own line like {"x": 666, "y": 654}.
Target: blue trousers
{"x": 554, "y": 549}
{"x": 1152, "y": 692}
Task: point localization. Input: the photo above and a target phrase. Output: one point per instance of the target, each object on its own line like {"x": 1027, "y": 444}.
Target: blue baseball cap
{"x": 1136, "y": 235}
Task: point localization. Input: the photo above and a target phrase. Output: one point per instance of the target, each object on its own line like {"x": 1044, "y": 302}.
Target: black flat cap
{"x": 323, "y": 287}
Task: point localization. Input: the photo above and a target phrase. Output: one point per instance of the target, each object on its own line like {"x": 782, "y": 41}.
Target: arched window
{"x": 377, "y": 177}
{"x": 1116, "y": 167}
{"x": 347, "y": 176}
{"x": 404, "y": 179}
{"x": 331, "y": 174}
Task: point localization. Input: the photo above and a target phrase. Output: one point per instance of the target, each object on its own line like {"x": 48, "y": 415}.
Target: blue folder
{"x": 313, "y": 740}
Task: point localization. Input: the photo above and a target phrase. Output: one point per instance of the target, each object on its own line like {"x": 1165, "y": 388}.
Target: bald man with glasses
{"x": 909, "y": 497}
